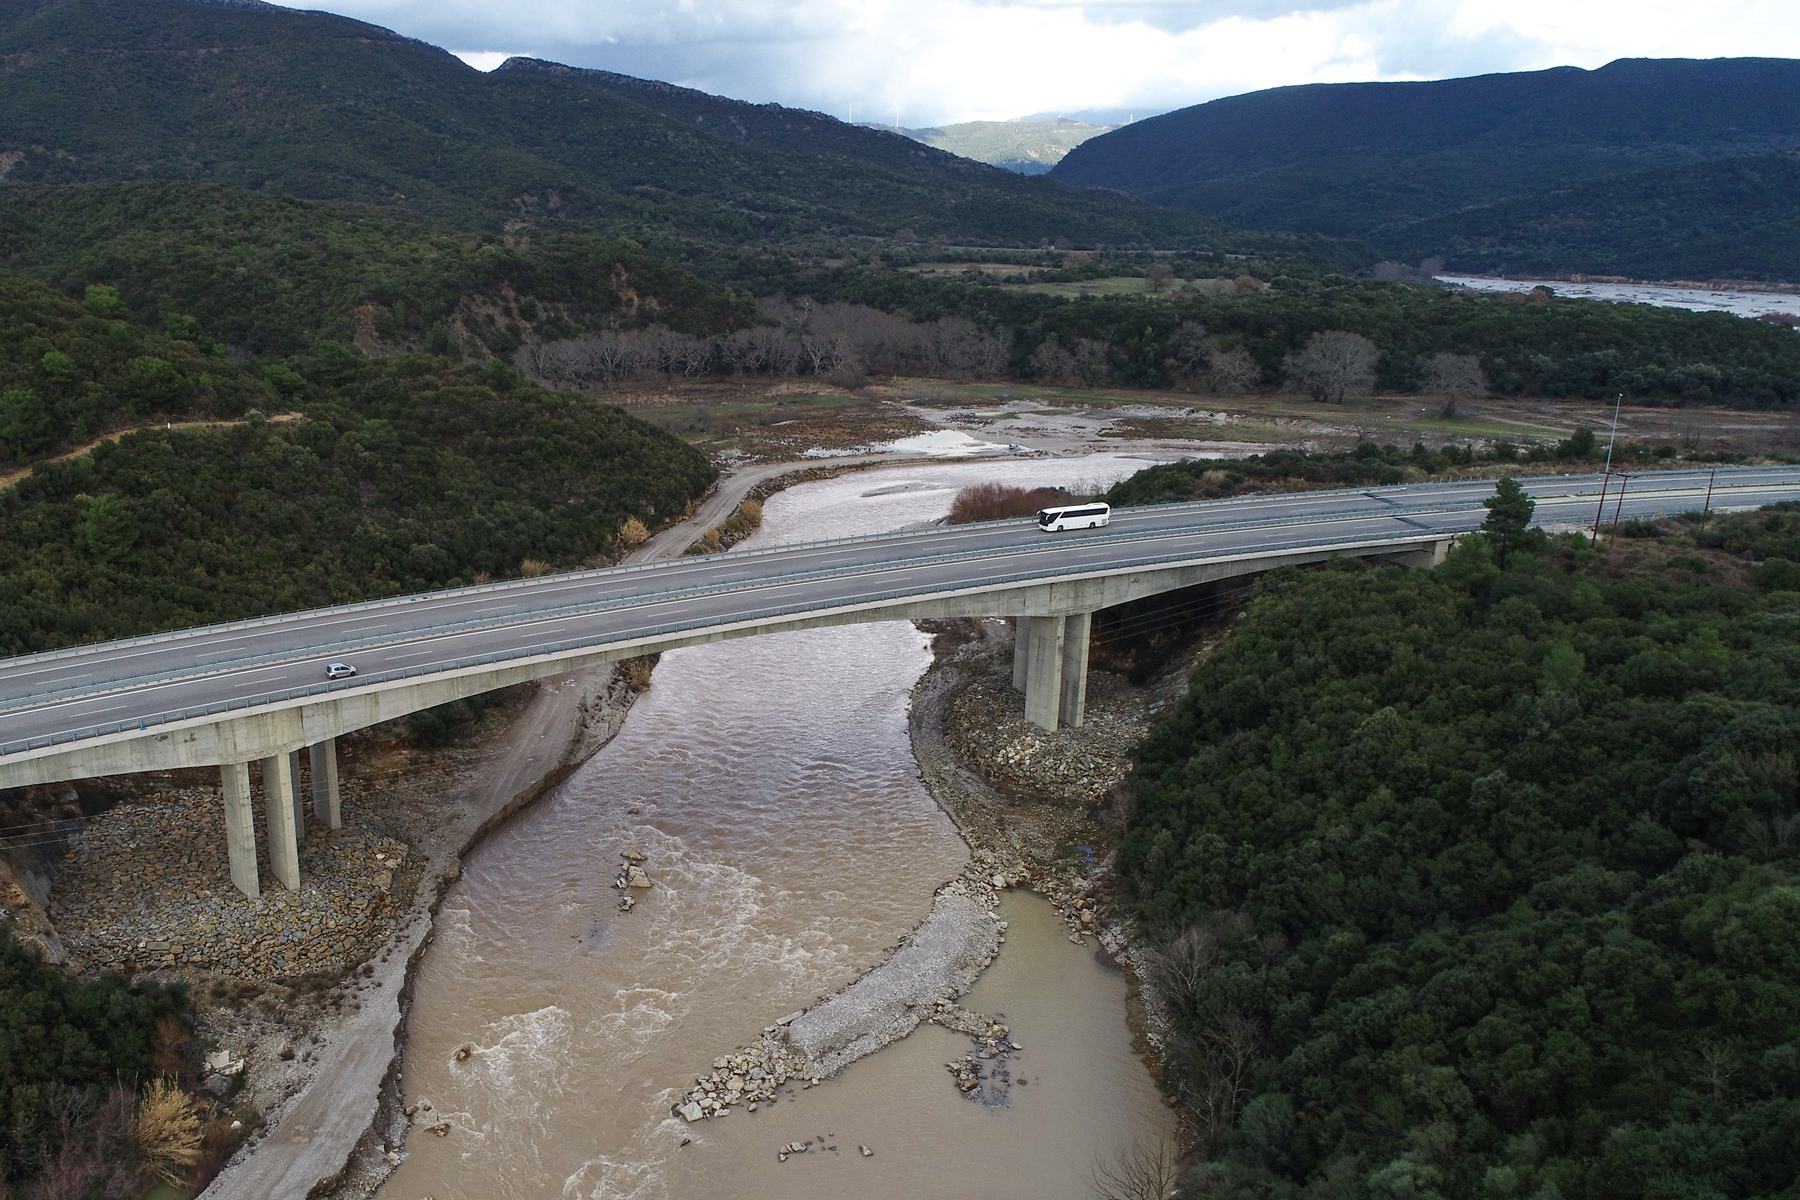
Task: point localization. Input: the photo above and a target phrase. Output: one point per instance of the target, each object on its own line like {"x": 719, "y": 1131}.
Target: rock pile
{"x": 752, "y": 1077}
{"x": 631, "y": 875}
{"x": 147, "y": 887}
{"x": 986, "y": 726}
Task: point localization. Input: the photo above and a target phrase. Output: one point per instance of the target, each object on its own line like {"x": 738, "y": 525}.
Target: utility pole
{"x": 1606, "y": 478}
{"x": 1707, "y": 511}
{"x": 1624, "y": 482}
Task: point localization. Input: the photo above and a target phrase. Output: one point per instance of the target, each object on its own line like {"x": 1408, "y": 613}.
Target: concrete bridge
{"x": 255, "y": 692}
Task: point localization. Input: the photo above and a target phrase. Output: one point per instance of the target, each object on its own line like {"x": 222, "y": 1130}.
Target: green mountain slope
{"x": 1725, "y": 219}
{"x": 330, "y": 108}
{"x": 1349, "y": 159}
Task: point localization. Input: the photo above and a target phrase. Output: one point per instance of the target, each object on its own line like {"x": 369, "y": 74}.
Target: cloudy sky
{"x": 938, "y": 61}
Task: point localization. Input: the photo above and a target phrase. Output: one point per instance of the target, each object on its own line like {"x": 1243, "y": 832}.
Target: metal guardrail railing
{"x": 874, "y": 599}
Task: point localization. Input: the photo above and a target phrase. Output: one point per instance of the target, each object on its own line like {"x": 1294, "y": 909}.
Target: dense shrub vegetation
{"x": 1486, "y": 881}
{"x": 72, "y": 369}
{"x": 403, "y": 475}
{"x": 1369, "y": 465}
{"x": 64, "y": 1046}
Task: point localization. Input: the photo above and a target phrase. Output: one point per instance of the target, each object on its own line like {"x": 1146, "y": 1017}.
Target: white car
{"x": 339, "y": 670}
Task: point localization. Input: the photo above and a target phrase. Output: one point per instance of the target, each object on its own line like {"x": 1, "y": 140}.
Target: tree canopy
{"x": 1485, "y": 881}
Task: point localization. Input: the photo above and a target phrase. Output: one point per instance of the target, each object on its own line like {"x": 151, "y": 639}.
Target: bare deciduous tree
{"x": 1157, "y": 276}
{"x": 1454, "y": 378}
{"x": 1334, "y": 366}
{"x": 1178, "y": 968}
{"x": 1145, "y": 1170}
{"x": 1215, "y": 1066}
{"x": 1052, "y": 364}
{"x": 1186, "y": 352}
{"x": 1231, "y": 372}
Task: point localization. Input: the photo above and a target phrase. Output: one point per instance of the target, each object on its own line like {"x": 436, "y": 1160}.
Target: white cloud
{"x": 483, "y": 60}
{"x": 948, "y": 60}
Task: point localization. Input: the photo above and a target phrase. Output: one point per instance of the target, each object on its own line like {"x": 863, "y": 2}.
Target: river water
{"x": 771, "y": 784}
{"x": 1661, "y": 295}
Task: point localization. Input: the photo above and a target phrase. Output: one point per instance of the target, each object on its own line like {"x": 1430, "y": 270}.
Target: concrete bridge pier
{"x": 1050, "y": 656}
{"x": 240, "y": 828}
{"x": 1021, "y": 651}
{"x": 278, "y": 811}
{"x": 294, "y": 789}
{"x": 323, "y": 757}
{"x": 1072, "y": 695}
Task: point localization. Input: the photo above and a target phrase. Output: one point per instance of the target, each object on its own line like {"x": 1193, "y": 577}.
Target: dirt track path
{"x": 11, "y": 477}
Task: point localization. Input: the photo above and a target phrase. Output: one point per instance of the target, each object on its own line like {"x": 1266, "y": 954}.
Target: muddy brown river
{"x": 771, "y": 784}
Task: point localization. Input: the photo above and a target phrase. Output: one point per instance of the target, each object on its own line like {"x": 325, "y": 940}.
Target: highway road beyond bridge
{"x": 255, "y": 691}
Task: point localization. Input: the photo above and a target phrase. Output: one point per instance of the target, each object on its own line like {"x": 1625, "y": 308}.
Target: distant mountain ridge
{"x": 1369, "y": 160}
{"x": 1029, "y": 147}
{"x": 330, "y": 108}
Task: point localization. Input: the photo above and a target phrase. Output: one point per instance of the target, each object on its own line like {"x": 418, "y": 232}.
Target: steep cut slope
{"x": 331, "y": 108}
{"x": 1347, "y": 159}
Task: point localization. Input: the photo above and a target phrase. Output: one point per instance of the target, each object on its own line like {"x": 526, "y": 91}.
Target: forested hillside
{"x": 1366, "y": 160}
{"x": 1485, "y": 881}
{"x": 328, "y": 108}
{"x": 268, "y": 273}
{"x": 402, "y": 476}
{"x": 1725, "y": 219}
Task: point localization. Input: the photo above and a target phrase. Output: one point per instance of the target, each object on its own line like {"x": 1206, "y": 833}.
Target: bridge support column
{"x": 1073, "y": 697}
{"x": 278, "y": 811}
{"x": 1021, "y": 651}
{"x": 1052, "y": 658}
{"x": 299, "y": 794}
{"x": 1043, "y": 677}
{"x": 325, "y": 783}
{"x": 240, "y": 828}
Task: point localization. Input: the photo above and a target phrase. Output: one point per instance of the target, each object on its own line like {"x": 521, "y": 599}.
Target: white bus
{"x": 1074, "y": 516}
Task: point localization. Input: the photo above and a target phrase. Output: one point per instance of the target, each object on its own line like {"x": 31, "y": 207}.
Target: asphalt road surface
{"x": 56, "y": 696}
